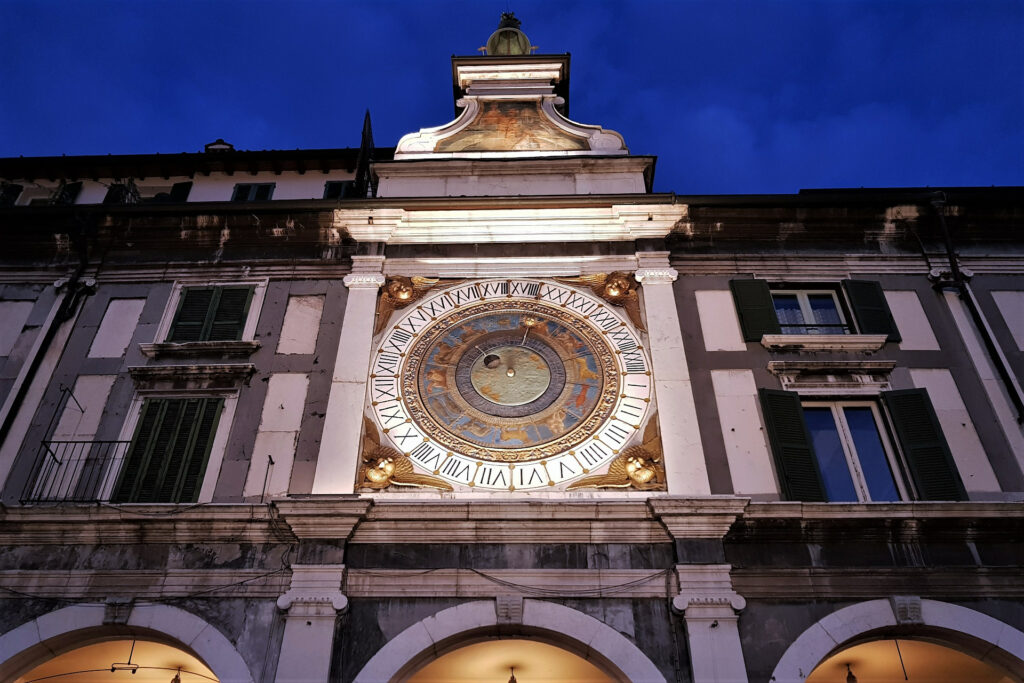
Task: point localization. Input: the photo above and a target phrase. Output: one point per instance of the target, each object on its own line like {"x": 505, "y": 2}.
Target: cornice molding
{"x": 698, "y": 517}
{"x": 327, "y": 517}
{"x": 617, "y": 222}
{"x": 238, "y": 349}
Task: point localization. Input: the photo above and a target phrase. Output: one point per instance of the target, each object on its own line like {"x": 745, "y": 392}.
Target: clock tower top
{"x": 508, "y": 39}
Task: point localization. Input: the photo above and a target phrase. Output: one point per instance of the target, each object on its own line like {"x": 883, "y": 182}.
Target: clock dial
{"x": 510, "y": 384}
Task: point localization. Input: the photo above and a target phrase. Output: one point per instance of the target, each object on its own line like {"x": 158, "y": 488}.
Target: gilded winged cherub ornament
{"x": 383, "y": 467}
{"x": 399, "y": 292}
{"x": 618, "y": 288}
{"x": 638, "y": 467}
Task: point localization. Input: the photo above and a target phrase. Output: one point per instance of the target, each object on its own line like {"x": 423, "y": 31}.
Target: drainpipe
{"x": 959, "y": 280}
{"x": 63, "y": 309}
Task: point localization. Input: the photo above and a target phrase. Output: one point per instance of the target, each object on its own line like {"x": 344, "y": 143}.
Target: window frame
{"x": 861, "y": 305}
{"x": 252, "y": 191}
{"x": 218, "y": 445}
{"x": 174, "y": 301}
{"x": 892, "y": 453}
{"x": 802, "y": 294}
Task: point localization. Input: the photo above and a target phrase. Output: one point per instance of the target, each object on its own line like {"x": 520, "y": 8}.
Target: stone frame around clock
{"x": 399, "y": 418}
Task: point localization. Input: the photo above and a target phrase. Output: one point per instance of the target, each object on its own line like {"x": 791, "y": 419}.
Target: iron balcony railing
{"x": 74, "y": 471}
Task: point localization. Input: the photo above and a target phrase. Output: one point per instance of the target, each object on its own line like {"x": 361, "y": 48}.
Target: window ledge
{"x": 231, "y": 371}
{"x": 234, "y": 349}
{"x": 830, "y": 367}
{"x": 823, "y": 342}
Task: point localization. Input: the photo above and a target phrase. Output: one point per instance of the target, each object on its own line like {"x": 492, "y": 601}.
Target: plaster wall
{"x": 975, "y": 469}
{"x": 914, "y": 328}
{"x": 14, "y": 315}
{"x": 301, "y": 325}
{"x": 218, "y": 187}
{"x": 746, "y": 447}
{"x": 277, "y": 436}
{"x": 117, "y": 327}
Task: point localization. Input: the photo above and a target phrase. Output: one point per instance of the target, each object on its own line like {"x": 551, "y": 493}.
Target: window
{"x": 9, "y": 193}
{"x": 130, "y": 193}
{"x": 339, "y": 189}
{"x": 211, "y": 314}
{"x": 852, "y": 453}
{"x": 841, "y": 450}
{"x": 253, "y": 192}
{"x": 855, "y": 306}
{"x": 169, "y": 451}
{"x": 809, "y": 312}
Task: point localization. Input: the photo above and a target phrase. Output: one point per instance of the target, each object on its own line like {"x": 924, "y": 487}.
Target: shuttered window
{"x": 210, "y": 314}
{"x": 795, "y": 463}
{"x": 9, "y": 193}
{"x": 764, "y": 309}
{"x": 841, "y": 451}
{"x": 167, "y": 459}
{"x": 924, "y": 447}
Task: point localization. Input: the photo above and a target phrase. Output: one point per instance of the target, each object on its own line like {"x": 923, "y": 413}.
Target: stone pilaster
{"x": 339, "y": 446}
{"x": 312, "y": 604}
{"x": 685, "y": 468}
{"x": 710, "y": 606}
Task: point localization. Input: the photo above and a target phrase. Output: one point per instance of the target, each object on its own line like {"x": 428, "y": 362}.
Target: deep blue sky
{"x": 733, "y": 97}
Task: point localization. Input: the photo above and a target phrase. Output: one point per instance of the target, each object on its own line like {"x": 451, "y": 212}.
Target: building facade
{"x": 483, "y": 405}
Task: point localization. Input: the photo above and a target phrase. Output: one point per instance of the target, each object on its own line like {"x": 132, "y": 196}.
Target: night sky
{"x": 733, "y": 97}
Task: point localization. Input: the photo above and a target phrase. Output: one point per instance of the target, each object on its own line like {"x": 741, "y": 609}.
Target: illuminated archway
{"x": 956, "y": 627}
{"x": 139, "y": 660}
{"x": 456, "y": 628}
{"x": 70, "y": 628}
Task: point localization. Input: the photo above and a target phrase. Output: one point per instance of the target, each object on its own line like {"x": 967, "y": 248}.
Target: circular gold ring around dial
{"x": 486, "y": 419}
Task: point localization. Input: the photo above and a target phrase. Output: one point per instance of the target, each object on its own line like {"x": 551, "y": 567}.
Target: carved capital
{"x": 315, "y": 591}
{"x": 363, "y": 280}
{"x": 708, "y": 585}
{"x": 656, "y": 276}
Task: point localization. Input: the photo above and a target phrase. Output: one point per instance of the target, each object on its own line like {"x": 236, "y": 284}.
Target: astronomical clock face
{"x": 509, "y": 384}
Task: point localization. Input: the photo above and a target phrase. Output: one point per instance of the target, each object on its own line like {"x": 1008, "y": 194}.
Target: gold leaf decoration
{"x": 618, "y": 288}
{"x": 383, "y": 467}
{"x": 638, "y": 467}
{"x": 398, "y": 292}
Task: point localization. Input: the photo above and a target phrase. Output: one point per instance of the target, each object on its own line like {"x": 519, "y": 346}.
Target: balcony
{"x": 74, "y": 471}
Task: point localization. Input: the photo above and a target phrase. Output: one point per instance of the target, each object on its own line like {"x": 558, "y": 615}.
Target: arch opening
{"x": 103, "y": 657}
{"x": 911, "y": 657}
{"x": 499, "y": 658}
{"x": 865, "y": 635}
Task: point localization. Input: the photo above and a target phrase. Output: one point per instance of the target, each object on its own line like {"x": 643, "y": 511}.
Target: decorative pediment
{"x": 493, "y": 126}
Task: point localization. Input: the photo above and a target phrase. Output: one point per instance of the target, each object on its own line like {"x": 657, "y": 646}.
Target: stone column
{"x": 710, "y": 605}
{"x": 312, "y": 603}
{"x": 339, "y": 446}
{"x": 685, "y": 468}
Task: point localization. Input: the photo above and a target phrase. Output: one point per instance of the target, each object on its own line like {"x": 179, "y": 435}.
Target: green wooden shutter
{"x": 139, "y": 453}
{"x": 230, "y": 313}
{"x": 193, "y": 310}
{"x": 924, "y": 447}
{"x": 179, "y": 191}
{"x": 755, "y": 309}
{"x": 167, "y": 459}
{"x": 791, "y": 445}
{"x": 194, "y": 467}
{"x": 870, "y": 308}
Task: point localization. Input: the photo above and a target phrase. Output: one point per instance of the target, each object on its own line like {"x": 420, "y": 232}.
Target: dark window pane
{"x": 871, "y": 454}
{"x": 823, "y": 308}
{"x": 263, "y": 192}
{"x": 828, "y": 449}
{"x": 787, "y": 309}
